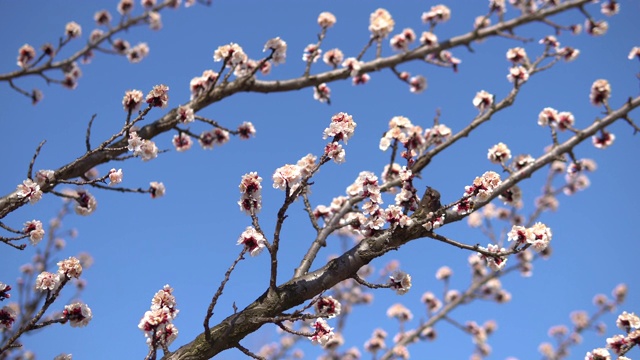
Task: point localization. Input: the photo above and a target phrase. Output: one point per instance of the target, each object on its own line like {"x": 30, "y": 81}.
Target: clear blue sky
{"x": 187, "y": 239}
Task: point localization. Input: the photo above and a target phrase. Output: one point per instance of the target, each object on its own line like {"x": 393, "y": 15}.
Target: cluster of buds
{"x": 251, "y": 189}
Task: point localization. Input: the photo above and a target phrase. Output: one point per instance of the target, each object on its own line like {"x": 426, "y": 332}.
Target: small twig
{"x": 88, "y": 136}
{"x": 215, "y": 297}
{"x": 33, "y": 159}
{"x": 248, "y": 353}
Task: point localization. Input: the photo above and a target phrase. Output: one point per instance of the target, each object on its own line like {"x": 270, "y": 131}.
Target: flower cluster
{"x": 400, "y": 282}
{"x": 8, "y": 316}
{"x": 26, "y": 55}
{"x": 251, "y": 199}
{"x": 322, "y": 93}
{"x": 253, "y": 241}
{"x": 157, "y": 323}
{"x": 85, "y": 202}
{"x": 328, "y": 306}
{"x": 185, "y": 114}
{"x": 311, "y": 53}
{"x": 132, "y": 100}
{"x": 600, "y": 92}
{"x": 333, "y": 57}
{"x": 556, "y": 120}
{"x": 34, "y": 229}
{"x": 29, "y": 190}
{"x": 78, "y": 314}
{"x": 213, "y": 137}
{"x": 437, "y": 14}
{"x": 322, "y": 333}
{"x": 482, "y": 188}
{"x": 381, "y": 23}
{"x": 518, "y": 75}
{"x": 400, "y": 42}
{"x": 231, "y": 54}
{"x": 483, "y": 100}
{"x": 326, "y": 19}
{"x": 4, "y": 291}
{"x": 182, "y": 142}
{"x": 279, "y": 48}
{"x": 499, "y": 154}
{"x": 539, "y": 235}
{"x": 400, "y": 312}
{"x": 158, "y": 96}
{"x": 146, "y": 149}
{"x": 496, "y": 261}
{"x": 156, "y": 189}
{"x": 201, "y": 84}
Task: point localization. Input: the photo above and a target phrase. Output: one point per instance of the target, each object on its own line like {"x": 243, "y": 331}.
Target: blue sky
{"x": 187, "y": 239}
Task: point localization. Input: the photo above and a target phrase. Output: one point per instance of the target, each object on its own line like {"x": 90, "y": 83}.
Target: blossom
{"x": 334, "y": 151}
{"x": 595, "y": 28}
{"x": 395, "y": 216}
{"x": 253, "y": 241}
{"x": 499, "y": 153}
{"x": 417, "y": 84}
{"x": 155, "y": 20}
{"x": 326, "y": 19}
{"x": 603, "y": 140}
{"x": 437, "y": 135}
{"x": 399, "y": 312}
{"x": 428, "y": 38}
{"x": 565, "y": 120}
{"x": 400, "y": 42}
{"x": 400, "y": 281}
{"x": 432, "y": 302}
{"x": 47, "y": 281}
{"x": 158, "y": 96}
{"x": 481, "y": 22}
{"x": 71, "y": 268}
{"x": 137, "y": 53}
{"x": 437, "y": 14}
{"x": 73, "y": 30}
{"x": 381, "y": 23}
{"x": 85, "y": 203}
{"x": 34, "y": 229}
{"x": 598, "y": 354}
{"x": 634, "y": 53}
{"x": 568, "y": 53}
{"x": 322, "y": 333}
{"x": 311, "y": 53}
{"x": 548, "y": 116}
{"x": 246, "y": 130}
{"x": 600, "y": 92}
{"x": 132, "y": 100}
{"x": 156, "y": 189}
{"x": 342, "y": 127}
{"x": 512, "y": 196}
{"x": 232, "y": 54}
{"x": 483, "y": 186}
{"x": 353, "y": 65}
{"x": 120, "y": 46}
{"x": 610, "y": 8}
{"x": 550, "y": 41}
{"x": 115, "y": 177}
{"x": 29, "y": 190}
{"x": 7, "y": 316}
{"x": 78, "y": 314}
{"x": 4, "y": 291}
{"x": 444, "y": 273}
{"x": 322, "y": 93}
{"x": 539, "y": 236}
{"x": 483, "y": 100}
{"x": 213, "y": 137}
{"x": 517, "y": 55}
{"x": 251, "y": 198}
{"x": 125, "y": 6}
{"x": 495, "y": 262}
{"x": 626, "y": 321}
{"x": 182, "y": 142}
{"x": 288, "y": 176}
{"x": 327, "y": 306}
{"x": 518, "y": 75}
{"x": 333, "y": 57}
{"x": 102, "y": 17}
{"x": 279, "y": 48}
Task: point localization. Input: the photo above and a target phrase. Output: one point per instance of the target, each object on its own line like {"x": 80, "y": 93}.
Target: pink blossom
{"x": 115, "y": 177}
{"x": 156, "y": 189}
{"x": 35, "y": 231}
{"x": 29, "y": 190}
